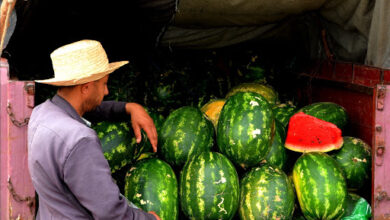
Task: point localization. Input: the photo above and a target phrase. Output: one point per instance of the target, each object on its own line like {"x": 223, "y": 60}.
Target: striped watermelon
{"x": 266, "y": 193}
{"x": 355, "y": 159}
{"x": 320, "y": 186}
{"x": 209, "y": 187}
{"x": 263, "y": 89}
{"x": 277, "y": 155}
{"x": 283, "y": 112}
{"x": 244, "y": 130}
{"x": 151, "y": 185}
{"x": 118, "y": 142}
{"x": 327, "y": 111}
{"x": 212, "y": 109}
{"x": 185, "y": 133}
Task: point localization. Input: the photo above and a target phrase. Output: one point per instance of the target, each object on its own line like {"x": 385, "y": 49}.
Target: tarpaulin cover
{"x": 217, "y": 13}
{"x": 378, "y": 52}
{"x": 356, "y": 30}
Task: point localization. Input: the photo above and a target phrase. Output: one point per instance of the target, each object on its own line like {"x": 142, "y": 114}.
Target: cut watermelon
{"x": 307, "y": 134}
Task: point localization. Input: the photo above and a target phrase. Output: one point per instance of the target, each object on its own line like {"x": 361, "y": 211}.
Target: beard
{"x": 91, "y": 103}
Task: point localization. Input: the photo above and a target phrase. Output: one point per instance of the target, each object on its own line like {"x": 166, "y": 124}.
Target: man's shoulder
{"x": 46, "y": 108}
{"x": 49, "y": 116}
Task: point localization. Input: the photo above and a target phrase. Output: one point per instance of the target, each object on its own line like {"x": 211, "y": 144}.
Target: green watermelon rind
{"x": 151, "y": 185}
{"x": 327, "y": 111}
{"x": 283, "y": 112}
{"x": 185, "y": 133}
{"x": 320, "y": 186}
{"x": 118, "y": 143}
{"x": 355, "y": 159}
{"x": 245, "y": 129}
{"x": 266, "y": 193}
{"x": 277, "y": 155}
{"x": 209, "y": 187}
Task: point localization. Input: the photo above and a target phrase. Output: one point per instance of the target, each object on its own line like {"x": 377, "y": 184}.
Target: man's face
{"x": 98, "y": 89}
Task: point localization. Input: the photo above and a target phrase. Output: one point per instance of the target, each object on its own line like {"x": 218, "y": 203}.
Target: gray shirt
{"x": 68, "y": 168}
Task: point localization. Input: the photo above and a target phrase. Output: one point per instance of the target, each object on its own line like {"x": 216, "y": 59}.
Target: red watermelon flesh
{"x": 307, "y": 134}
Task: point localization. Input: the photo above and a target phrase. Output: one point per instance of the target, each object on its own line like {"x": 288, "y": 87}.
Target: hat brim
{"x": 85, "y": 79}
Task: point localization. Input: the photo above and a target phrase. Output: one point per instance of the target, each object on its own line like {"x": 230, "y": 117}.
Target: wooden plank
{"x": 17, "y": 192}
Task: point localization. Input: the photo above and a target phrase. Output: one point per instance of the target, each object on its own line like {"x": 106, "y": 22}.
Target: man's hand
{"x": 155, "y": 215}
{"x": 140, "y": 119}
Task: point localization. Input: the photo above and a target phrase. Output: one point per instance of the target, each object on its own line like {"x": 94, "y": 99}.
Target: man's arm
{"x": 88, "y": 176}
{"x": 120, "y": 111}
{"x": 108, "y": 111}
{"x": 140, "y": 119}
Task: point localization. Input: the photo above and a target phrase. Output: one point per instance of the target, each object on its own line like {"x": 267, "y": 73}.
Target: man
{"x": 65, "y": 158}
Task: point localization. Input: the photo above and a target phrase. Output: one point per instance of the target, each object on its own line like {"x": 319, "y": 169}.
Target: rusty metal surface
{"x": 17, "y": 194}
{"x": 381, "y": 154}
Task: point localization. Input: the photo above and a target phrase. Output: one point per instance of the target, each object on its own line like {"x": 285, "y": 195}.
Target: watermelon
{"x": 320, "y": 186}
{"x": 151, "y": 185}
{"x": 209, "y": 187}
{"x": 254, "y": 73}
{"x": 164, "y": 92}
{"x": 355, "y": 159}
{"x": 245, "y": 129}
{"x": 212, "y": 109}
{"x": 266, "y": 193}
{"x": 327, "y": 111}
{"x": 357, "y": 208}
{"x": 119, "y": 145}
{"x": 277, "y": 155}
{"x": 146, "y": 155}
{"x": 263, "y": 89}
{"x": 307, "y": 133}
{"x": 283, "y": 112}
{"x": 185, "y": 133}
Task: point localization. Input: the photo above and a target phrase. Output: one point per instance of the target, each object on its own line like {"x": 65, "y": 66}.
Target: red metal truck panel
{"x": 357, "y": 104}
{"x": 364, "y": 92}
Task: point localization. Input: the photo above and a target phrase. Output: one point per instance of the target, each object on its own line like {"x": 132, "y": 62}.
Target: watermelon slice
{"x": 307, "y": 134}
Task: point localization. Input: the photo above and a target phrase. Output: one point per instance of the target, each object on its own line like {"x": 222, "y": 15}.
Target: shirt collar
{"x": 68, "y": 108}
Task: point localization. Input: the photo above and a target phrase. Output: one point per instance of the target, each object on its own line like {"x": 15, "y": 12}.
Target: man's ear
{"x": 85, "y": 88}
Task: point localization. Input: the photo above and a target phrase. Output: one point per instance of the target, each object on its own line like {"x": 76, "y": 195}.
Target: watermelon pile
{"x": 242, "y": 151}
{"x": 233, "y": 158}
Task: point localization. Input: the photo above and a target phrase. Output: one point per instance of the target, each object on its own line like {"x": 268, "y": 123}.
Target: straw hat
{"x": 80, "y": 62}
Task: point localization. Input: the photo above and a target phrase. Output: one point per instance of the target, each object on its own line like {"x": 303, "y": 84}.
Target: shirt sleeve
{"x": 108, "y": 110}
{"x": 88, "y": 176}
